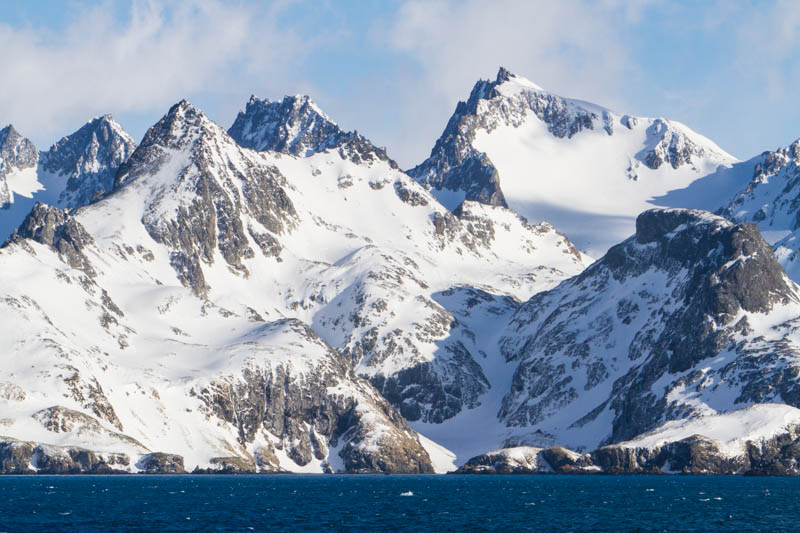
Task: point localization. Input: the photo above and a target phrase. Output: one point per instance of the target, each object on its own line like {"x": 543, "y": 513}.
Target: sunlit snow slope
{"x": 221, "y": 303}
{"x": 584, "y": 168}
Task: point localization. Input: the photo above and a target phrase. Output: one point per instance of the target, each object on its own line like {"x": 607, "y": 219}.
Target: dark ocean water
{"x": 398, "y": 503}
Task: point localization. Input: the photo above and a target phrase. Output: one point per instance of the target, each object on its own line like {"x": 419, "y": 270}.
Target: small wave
{"x": 408, "y": 493}
{"x": 717, "y": 498}
{"x": 650, "y": 490}
{"x": 65, "y": 514}
{"x": 705, "y": 499}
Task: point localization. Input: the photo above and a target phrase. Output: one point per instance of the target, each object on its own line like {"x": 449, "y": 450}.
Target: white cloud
{"x": 768, "y": 45}
{"x": 149, "y": 59}
{"x": 568, "y": 46}
{"x": 571, "y": 47}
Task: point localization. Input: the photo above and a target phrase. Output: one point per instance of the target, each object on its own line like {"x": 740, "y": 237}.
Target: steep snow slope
{"x": 76, "y": 170}
{"x": 192, "y": 285}
{"x": 584, "y": 168}
{"x": 771, "y": 198}
{"x": 691, "y": 316}
{"x": 390, "y": 281}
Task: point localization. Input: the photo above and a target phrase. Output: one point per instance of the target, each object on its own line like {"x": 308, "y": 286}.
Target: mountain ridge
{"x": 578, "y": 165}
{"x": 280, "y": 296}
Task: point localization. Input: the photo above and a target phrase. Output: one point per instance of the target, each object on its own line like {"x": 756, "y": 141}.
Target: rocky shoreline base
{"x": 775, "y": 456}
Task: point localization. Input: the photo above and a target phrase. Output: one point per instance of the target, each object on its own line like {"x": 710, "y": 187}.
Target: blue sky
{"x": 394, "y": 70}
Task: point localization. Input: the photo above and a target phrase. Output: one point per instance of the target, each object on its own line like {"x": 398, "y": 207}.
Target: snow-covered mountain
{"x": 282, "y": 297}
{"x": 771, "y": 199}
{"x": 584, "y": 168}
{"x": 75, "y": 171}
{"x": 232, "y": 298}
{"x": 692, "y": 316}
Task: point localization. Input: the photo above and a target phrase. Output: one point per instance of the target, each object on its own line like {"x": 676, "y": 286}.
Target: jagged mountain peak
{"x": 511, "y": 143}
{"x": 9, "y": 134}
{"x": 297, "y": 126}
{"x": 769, "y": 198}
{"x": 488, "y": 89}
{"x": 506, "y": 76}
{"x": 103, "y": 130}
{"x": 18, "y": 155}
{"x": 17, "y": 150}
{"x": 183, "y": 128}
{"x": 12, "y": 141}
{"x": 180, "y": 127}
{"x": 294, "y": 125}
{"x": 87, "y": 160}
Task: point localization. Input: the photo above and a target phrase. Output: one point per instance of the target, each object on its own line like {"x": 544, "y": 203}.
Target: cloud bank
{"x": 143, "y": 60}
{"x": 396, "y": 70}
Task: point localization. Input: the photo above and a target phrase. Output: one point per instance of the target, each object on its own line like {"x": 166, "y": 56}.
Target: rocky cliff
{"x": 692, "y": 315}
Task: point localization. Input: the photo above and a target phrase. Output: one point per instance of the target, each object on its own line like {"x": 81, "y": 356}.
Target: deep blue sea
{"x": 398, "y": 503}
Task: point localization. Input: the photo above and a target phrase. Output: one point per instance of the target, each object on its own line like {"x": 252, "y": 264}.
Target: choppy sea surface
{"x": 398, "y": 503}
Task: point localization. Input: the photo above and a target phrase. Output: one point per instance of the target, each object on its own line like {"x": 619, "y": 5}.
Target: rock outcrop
{"x": 768, "y": 446}
{"x": 691, "y": 306}
{"x": 16, "y": 154}
{"x": 87, "y": 161}
{"x": 297, "y": 126}
{"x": 20, "y": 457}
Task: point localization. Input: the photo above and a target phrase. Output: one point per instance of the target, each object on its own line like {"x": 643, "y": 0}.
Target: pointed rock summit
{"x": 89, "y": 159}
{"x": 183, "y": 173}
{"x": 297, "y": 126}
{"x": 16, "y": 155}
{"x": 511, "y": 143}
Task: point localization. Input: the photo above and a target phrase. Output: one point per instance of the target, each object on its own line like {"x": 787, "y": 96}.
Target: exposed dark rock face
{"x": 161, "y": 463}
{"x": 55, "y": 228}
{"x": 779, "y": 456}
{"x": 667, "y": 145}
{"x": 18, "y": 457}
{"x": 431, "y": 393}
{"x": 409, "y": 195}
{"x": 15, "y": 457}
{"x": 297, "y": 126}
{"x": 89, "y": 158}
{"x": 454, "y": 164}
{"x": 16, "y": 153}
{"x": 298, "y": 408}
{"x": 564, "y": 461}
{"x": 657, "y": 307}
{"x": 209, "y": 217}
{"x": 696, "y": 454}
{"x": 692, "y": 455}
